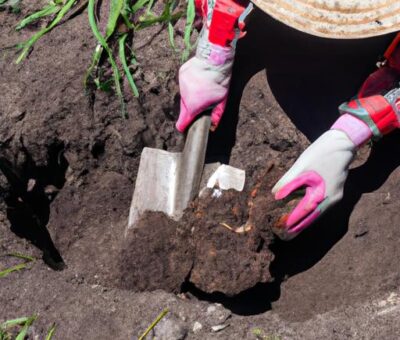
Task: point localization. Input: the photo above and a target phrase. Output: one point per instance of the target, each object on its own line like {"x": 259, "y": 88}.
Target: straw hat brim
{"x": 341, "y": 19}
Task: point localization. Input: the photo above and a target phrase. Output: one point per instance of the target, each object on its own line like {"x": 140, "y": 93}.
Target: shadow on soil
{"x": 32, "y": 189}
{"x": 309, "y": 78}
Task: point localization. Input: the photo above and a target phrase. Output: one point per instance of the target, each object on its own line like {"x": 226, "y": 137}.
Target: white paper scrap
{"x": 227, "y": 177}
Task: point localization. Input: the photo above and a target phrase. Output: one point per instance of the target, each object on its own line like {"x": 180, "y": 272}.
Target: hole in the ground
{"x": 32, "y": 189}
{"x": 253, "y": 301}
{"x": 97, "y": 149}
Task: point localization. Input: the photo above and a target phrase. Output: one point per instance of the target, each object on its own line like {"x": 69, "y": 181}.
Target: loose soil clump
{"x": 220, "y": 245}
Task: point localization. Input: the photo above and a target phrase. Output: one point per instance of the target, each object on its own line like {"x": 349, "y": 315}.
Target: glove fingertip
{"x": 179, "y": 127}
{"x": 275, "y": 188}
{"x": 280, "y": 194}
{"x": 217, "y": 113}
{"x": 182, "y": 122}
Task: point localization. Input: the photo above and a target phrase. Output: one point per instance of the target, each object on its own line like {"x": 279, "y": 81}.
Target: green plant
{"x": 23, "y": 323}
{"x": 153, "y": 324}
{"x": 115, "y": 8}
{"x": 260, "y": 334}
{"x": 9, "y": 331}
{"x": 26, "y": 45}
{"x": 125, "y": 18}
{"x": 48, "y": 10}
{"x": 51, "y": 332}
{"x": 27, "y": 259}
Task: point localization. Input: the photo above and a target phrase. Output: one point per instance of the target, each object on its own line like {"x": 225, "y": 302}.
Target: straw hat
{"x": 342, "y": 19}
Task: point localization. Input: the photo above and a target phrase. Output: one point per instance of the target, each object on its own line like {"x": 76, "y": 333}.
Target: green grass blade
{"x": 116, "y": 7}
{"x": 139, "y": 5}
{"x": 152, "y": 20}
{"x": 170, "y": 6}
{"x": 153, "y": 324}
{"x": 190, "y": 16}
{"x": 24, "y": 330}
{"x": 149, "y": 7}
{"x": 14, "y": 322}
{"x": 126, "y": 19}
{"x": 22, "y": 256}
{"x": 122, "y": 57}
{"x": 95, "y": 61}
{"x": 28, "y": 44}
{"x": 103, "y": 42}
{"x": 50, "y": 333}
{"x": 46, "y": 11}
{"x": 171, "y": 35}
{"x": 15, "y": 268}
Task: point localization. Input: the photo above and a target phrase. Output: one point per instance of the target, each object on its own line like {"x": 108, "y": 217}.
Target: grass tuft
{"x": 44, "y": 12}
{"x": 24, "y": 323}
{"x": 19, "y": 266}
{"x": 103, "y": 45}
{"x": 125, "y": 18}
{"x": 27, "y": 45}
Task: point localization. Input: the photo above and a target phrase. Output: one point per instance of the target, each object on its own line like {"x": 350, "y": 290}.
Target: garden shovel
{"x": 168, "y": 181}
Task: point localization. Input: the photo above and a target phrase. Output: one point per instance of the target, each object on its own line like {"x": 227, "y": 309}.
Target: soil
{"x": 68, "y": 164}
{"x": 220, "y": 245}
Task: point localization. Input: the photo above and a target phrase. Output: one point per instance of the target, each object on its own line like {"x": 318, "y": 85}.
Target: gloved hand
{"x": 204, "y": 82}
{"x": 322, "y": 169}
{"x": 204, "y": 79}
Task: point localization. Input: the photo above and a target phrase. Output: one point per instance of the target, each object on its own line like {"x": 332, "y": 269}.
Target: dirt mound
{"x": 203, "y": 248}
{"x": 220, "y": 245}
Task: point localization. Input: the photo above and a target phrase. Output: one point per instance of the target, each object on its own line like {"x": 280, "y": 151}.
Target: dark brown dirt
{"x": 68, "y": 166}
{"x": 220, "y": 245}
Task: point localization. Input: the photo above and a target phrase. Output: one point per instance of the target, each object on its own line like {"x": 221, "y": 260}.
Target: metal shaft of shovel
{"x": 191, "y": 163}
{"x": 168, "y": 181}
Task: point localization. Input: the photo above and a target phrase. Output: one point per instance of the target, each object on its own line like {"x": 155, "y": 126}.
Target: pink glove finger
{"x": 304, "y": 213}
{"x": 306, "y": 222}
{"x": 217, "y": 113}
{"x": 288, "y": 234}
{"x": 184, "y": 118}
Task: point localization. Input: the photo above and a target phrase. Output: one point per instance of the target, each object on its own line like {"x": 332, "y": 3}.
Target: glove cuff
{"x": 226, "y": 21}
{"x": 378, "y": 112}
{"x": 214, "y": 54}
{"x": 358, "y": 131}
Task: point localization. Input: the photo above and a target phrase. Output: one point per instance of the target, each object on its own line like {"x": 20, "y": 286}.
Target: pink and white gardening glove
{"x": 204, "y": 82}
{"x": 204, "y": 79}
{"x": 322, "y": 168}
{"x": 322, "y": 171}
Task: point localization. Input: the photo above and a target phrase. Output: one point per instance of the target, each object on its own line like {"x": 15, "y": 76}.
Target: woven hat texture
{"x": 341, "y": 19}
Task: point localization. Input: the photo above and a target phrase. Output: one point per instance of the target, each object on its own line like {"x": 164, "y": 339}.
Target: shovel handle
{"x": 192, "y": 160}
{"x": 197, "y": 135}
